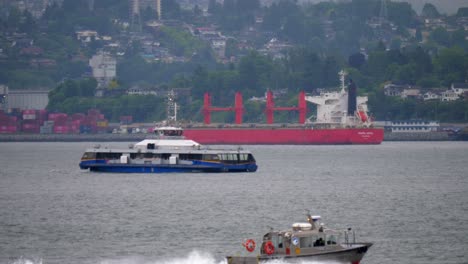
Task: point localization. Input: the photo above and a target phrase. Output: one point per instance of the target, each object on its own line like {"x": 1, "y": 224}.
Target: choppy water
{"x": 410, "y": 199}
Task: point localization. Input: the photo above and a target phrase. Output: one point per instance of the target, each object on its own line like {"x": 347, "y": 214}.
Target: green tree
{"x": 441, "y": 37}
{"x": 451, "y": 65}
{"x": 430, "y": 11}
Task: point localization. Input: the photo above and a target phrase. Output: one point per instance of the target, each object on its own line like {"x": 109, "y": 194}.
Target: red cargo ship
{"x": 341, "y": 119}
{"x": 285, "y": 136}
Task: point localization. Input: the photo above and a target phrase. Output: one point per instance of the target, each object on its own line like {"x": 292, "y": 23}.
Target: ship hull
{"x": 285, "y": 136}
{"x": 351, "y": 255}
{"x": 139, "y": 168}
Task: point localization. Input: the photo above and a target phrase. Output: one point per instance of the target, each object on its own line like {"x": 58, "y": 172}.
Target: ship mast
{"x": 172, "y": 107}
{"x": 342, "y": 75}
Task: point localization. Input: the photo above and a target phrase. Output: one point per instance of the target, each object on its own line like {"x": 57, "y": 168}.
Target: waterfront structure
{"x": 27, "y": 99}
{"x": 413, "y": 126}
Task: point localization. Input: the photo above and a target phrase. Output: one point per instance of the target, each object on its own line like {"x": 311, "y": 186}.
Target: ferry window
{"x": 137, "y": 155}
{"x": 108, "y": 155}
{"x": 251, "y": 158}
{"x": 210, "y": 157}
{"x": 280, "y": 241}
{"x": 150, "y": 146}
{"x": 243, "y": 157}
{"x": 319, "y": 242}
{"x": 331, "y": 240}
{"x": 89, "y": 155}
{"x": 148, "y": 155}
{"x": 233, "y": 157}
{"x": 305, "y": 242}
{"x": 195, "y": 156}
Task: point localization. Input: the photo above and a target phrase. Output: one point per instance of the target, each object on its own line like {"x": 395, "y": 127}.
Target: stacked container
{"x": 47, "y": 127}
{"x": 39, "y": 121}
{"x": 60, "y": 122}
{"x": 8, "y": 124}
{"x": 126, "y": 120}
{"x": 30, "y": 124}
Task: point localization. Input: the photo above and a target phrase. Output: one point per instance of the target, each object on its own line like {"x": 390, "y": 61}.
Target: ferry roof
{"x": 167, "y": 143}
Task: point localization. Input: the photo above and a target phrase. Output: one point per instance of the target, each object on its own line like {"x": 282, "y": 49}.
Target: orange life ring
{"x": 269, "y": 248}
{"x": 249, "y": 245}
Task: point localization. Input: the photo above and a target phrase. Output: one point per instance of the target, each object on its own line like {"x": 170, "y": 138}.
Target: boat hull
{"x": 140, "y": 168}
{"x": 285, "y": 136}
{"x": 353, "y": 255}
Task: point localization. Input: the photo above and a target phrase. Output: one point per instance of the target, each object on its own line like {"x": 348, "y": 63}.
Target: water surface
{"x": 410, "y": 199}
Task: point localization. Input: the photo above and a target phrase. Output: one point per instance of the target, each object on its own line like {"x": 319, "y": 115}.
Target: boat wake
{"x": 23, "y": 260}
{"x": 194, "y": 257}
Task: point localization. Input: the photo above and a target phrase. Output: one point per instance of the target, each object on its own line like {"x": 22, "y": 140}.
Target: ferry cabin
{"x": 154, "y": 159}
{"x": 170, "y": 152}
{"x": 127, "y": 157}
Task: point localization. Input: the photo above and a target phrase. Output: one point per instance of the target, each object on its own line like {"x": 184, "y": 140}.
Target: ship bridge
{"x": 332, "y": 107}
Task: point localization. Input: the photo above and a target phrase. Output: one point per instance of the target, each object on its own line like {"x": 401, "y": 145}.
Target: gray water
{"x": 409, "y": 199}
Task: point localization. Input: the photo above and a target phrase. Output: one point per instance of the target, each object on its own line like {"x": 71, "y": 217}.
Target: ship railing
{"x": 350, "y": 237}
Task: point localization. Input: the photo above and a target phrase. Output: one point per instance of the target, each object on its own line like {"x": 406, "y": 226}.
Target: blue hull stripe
{"x": 163, "y": 168}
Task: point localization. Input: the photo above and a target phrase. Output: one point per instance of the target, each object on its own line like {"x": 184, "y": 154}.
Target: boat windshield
{"x": 89, "y": 155}
{"x": 169, "y": 132}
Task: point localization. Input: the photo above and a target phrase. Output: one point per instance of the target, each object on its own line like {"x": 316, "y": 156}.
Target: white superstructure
{"x": 332, "y": 107}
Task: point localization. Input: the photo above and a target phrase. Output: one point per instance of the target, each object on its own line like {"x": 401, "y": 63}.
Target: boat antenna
{"x": 171, "y": 107}
{"x": 342, "y": 75}
{"x": 309, "y": 217}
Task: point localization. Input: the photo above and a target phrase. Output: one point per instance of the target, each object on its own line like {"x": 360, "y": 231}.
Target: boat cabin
{"x": 169, "y": 131}
{"x": 302, "y": 239}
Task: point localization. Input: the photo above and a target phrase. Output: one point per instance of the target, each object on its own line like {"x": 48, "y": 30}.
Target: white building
{"x": 27, "y": 99}
{"x": 413, "y": 126}
{"x": 104, "y": 68}
{"x": 86, "y": 36}
{"x": 431, "y": 96}
{"x": 459, "y": 88}
{"x": 410, "y": 93}
{"x": 449, "y": 95}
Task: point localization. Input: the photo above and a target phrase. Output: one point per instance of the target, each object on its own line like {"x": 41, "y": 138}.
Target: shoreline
{"x": 388, "y": 136}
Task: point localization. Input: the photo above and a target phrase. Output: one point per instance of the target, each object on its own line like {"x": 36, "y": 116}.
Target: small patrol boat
{"x": 168, "y": 152}
{"x": 310, "y": 241}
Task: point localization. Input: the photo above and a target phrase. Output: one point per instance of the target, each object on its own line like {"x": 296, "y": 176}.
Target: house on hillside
{"x": 430, "y": 95}
{"x": 104, "y": 68}
{"x": 459, "y": 88}
{"x": 449, "y": 95}
{"x": 414, "y": 93}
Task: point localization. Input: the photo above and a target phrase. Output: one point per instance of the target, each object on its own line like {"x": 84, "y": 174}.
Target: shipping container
{"x": 8, "y": 129}
{"x": 29, "y": 114}
{"x": 102, "y": 123}
{"x": 41, "y": 115}
{"x": 30, "y": 126}
{"x": 126, "y": 120}
{"x": 93, "y": 112}
{"x": 54, "y": 116}
{"x": 59, "y": 129}
{"x": 46, "y": 129}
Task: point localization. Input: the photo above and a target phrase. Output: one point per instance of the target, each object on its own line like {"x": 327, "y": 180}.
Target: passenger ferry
{"x": 310, "y": 241}
{"x": 168, "y": 152}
